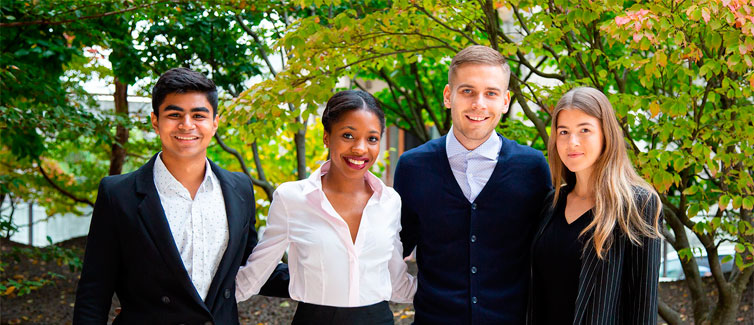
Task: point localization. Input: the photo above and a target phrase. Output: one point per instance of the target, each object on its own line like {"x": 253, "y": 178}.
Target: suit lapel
{"x": 153, "y": 216}
{"x": 237, "y": 216}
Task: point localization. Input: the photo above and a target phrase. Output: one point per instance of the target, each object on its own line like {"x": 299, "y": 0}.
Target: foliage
{"x": 19, "y": 285}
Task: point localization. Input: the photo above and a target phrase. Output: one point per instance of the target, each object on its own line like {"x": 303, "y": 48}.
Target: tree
{"x": 678, "y": 73}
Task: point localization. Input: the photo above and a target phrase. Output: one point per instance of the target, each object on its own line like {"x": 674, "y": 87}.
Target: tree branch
{"x": 266, "y": 186}
{"x": 100, "y": 15}
{"x": 671, "y": 316}
{"x": 60, "y": 189}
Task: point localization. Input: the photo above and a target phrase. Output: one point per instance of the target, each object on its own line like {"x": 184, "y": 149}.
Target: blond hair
{"x": 479, "y": 54}
{"x": 618, "y": 189}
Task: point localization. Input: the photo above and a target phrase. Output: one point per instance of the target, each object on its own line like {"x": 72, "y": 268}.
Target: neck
{"x": 337, "y": 182}
{"x": 468, "y": 143}
{"x": 583, "y": 189}
{"x": 187, "y": 171}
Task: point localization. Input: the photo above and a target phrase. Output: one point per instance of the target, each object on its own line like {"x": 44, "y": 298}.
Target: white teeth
{"x": 356, "y": 162}
{"x": 475, "y": 118}
{"x": 186, "y": 138}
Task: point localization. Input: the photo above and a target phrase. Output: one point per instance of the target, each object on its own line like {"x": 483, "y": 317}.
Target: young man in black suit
{"x": 169, "y": 238}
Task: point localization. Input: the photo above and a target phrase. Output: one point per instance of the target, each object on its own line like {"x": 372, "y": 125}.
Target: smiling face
{"x": 186, "y": 126}
{"x": 579, "y": 140}
{"x": 477, "y": 97}
{"x": 354, "y": 142}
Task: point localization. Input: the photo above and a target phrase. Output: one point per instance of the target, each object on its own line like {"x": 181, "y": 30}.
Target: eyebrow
{"x": 580, "y": 124}
{"x": 470, "y": 86}
{"x": 354, "y": 129}
{"x": 180, "y": 109}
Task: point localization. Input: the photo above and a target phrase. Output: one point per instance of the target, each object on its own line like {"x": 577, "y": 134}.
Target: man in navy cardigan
{"x": 470, "y": 203}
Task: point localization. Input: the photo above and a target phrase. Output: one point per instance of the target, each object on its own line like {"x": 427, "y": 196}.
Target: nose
{"x": 359, "y": 147}
{"x": 573, "y": 140}
{"x": 186, "y": 123}
{"x": 479, "y": 102}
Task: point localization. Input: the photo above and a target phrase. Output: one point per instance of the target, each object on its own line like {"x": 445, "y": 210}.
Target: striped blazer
{"x": 622, "y": 287}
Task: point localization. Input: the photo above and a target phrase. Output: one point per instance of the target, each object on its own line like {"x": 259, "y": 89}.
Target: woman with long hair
{"x": 340, "y": 225}
{"x": 596, "y": 253}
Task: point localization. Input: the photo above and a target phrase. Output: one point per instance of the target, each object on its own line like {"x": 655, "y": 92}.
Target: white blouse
{"x": 326, "y": 266}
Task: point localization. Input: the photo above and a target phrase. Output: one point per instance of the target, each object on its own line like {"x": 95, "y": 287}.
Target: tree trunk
{"x": 300, "y": 139}
{"x": 118, "y": 153}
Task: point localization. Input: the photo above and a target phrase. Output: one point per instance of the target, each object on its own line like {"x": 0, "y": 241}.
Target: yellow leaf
{"x": 9, "y": 290}
{"x": 662, "y": 58}
{"x": 654, "y": 108}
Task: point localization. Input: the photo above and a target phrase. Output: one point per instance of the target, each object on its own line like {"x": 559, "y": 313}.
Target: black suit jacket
{"x": 130, "y": 251}
{"x": 620, "y": 289}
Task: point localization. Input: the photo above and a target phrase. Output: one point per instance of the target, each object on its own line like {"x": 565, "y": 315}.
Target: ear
{"x": 326, "y": 139}
{"x": 155, "y": 123}
{"x": 506, "y": 101}
{"x": 215, "y": 123}
{"x": 446, "y": 96}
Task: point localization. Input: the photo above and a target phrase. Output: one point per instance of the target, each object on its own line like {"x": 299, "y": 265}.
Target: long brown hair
{"x": 614, "y": 180}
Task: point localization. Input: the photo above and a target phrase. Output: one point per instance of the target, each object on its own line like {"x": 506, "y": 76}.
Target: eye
{"x": 585, "y": 130}
{"x": 466, "y": 91}
{"x": 348, "y": 135}
{"x": 199, "y": 116}
{"x": 491, "y": 93}
{"x": 174, "y": 115}
{"x": 562, "y": 132}
{"x": 374, "y": 139}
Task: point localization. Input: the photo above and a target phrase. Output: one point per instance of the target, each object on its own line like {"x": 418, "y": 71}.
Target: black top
{"x": 557, "y": 263}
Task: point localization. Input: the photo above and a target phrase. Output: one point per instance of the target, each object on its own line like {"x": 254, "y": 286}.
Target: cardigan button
{"x": 473, "y": 300}
{"x": 165, "y": 300}
{"x": 473, "y": 206}
{"x": 473, "y": 270}
{"x": 473, "y": 238}
{"x": 227, "y": 293}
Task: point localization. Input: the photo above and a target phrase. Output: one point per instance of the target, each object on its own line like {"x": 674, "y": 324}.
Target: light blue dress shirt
{"x": 472, "y": 168}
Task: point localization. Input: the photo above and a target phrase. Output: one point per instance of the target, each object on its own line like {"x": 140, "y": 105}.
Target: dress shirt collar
{"x": 489, "y": 149}
{"x": 169, "y": 185}
{"x": 314, "y": 182}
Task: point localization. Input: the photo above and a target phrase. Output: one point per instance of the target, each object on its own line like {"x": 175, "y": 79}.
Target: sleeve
{"x": 101, "y": 264}
{"x": 643, "y": 274}
{"x": 403, "y": 283}
{"x": 266, "y": 255}
{"x": 409, "y": 234}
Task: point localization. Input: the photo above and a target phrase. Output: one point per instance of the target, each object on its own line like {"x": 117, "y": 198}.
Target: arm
{"x": 101, "y": 265}
{"x": 409, "y": 234}
{"x": 403, "y": 283}
{"x": 265, "y": 256}
{"x": 642, "y": 274}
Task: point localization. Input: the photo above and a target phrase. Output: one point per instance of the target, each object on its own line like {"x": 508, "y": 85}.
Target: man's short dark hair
{"x": 181, "y": 81}
{"x": 478, "y": 54}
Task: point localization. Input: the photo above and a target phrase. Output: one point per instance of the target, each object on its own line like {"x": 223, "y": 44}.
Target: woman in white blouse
{"x": 341, "y": 225}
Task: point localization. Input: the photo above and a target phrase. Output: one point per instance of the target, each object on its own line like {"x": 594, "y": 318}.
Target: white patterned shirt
{"x": 199, "y": 226}
{"x": 326, "y": 266}
{"x": 472, "y": 168}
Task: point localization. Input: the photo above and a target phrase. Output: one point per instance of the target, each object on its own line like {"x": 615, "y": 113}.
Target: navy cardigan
{"x": 473, "y": 258}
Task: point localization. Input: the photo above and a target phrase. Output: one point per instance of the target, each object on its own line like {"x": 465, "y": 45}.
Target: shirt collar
{"x": 168, "y": 183}
{"x": 489, "y": 149}
{"x": 314, "y": 181}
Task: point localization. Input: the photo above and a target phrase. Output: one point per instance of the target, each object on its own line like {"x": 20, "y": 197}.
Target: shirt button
{"x": 473, "y": 206}
{"x": 473, "y": 300}
{"x": 473, "y": 269}
{"x": 165, "y": 300}
{"x": 473, "y": 238}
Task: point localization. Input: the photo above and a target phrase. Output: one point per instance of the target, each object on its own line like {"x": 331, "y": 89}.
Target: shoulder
{"x": 291, "y": 190}
{"x": 117, "y": 182}
{"x": 522, "y": 152}
{"x": 424, "y": 152}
